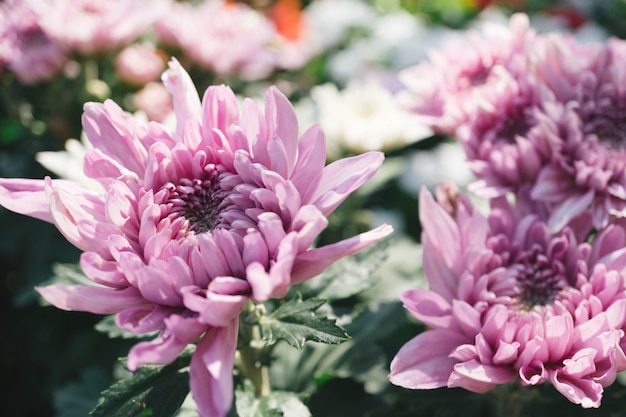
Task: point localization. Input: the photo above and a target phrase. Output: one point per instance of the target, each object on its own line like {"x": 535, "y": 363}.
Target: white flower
{"x": 364, "y": 116}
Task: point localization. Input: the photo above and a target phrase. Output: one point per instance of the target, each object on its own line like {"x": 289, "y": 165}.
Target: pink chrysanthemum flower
{"x": 467, "y": 74}
{"x": 548, "y": 114}
{"x": 96, "y": 26}
{"x": 236, "y": 39}
{"x": 195, "y": 223}
{"x": 588, "y": 166}
{"x": 510, "y": 300}
{"x": 25, "y": 48}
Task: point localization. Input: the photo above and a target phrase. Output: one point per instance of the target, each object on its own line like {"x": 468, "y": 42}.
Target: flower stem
{"x": 254, "y": 354}
{"x": 511, "y": 399}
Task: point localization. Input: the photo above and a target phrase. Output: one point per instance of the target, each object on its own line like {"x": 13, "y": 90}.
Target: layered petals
{"x": 535, "y": 305}
{"x": 192, "y": 224}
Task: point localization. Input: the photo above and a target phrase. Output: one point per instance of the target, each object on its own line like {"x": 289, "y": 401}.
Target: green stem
{"x": 253, "y": 356}
{"x": 511, "y": 399}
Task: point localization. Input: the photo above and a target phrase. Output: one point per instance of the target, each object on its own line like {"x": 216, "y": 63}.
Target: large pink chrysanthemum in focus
{"x": 196, "y": 222}
{"x": 510, "y": 300}
{"x": 467, "y": 74}
{"x": 587, "y": 170}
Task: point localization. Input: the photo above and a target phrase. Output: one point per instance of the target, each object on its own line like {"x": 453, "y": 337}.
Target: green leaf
{"x": 296, "y": 322}
{"x": 156, "y": 391}
{"x": 362, "y": 358}
{"x": 348, "y": 276}
{"x": 275, "y": 404}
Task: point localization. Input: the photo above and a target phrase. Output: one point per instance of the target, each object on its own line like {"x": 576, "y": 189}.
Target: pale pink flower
{"x": 155, "y": 101}
{"x": 171, "y": 26}
{"x": 229, "y": 39}
{"x": 139, "y": 63}
{"x": 97, "y": 26}
{"x": 25, "y": 49}
{"x": 510, "y": 300}
{"x": 195, "y": 223}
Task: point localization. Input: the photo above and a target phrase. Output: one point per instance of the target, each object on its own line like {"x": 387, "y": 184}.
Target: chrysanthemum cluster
{"x": 189, "y": 225}
{"x": 38, "y": 37}
{"x": 540, "y": 112}
{"x": 533, "y": 291}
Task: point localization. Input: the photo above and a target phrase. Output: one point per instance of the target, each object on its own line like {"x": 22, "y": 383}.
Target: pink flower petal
{"x": 113, "y": 132}
{"x": 477, "y": 377}
{"x": 211, "y": 370}
{"x": 26, "y": 197}
{"x": 314, "y": 261}
{"x": 428, "y": 307}
{"x": 342, "y": 177}
{"x": 282, "y": 123}
{"x": 184, "y": 94}
{"x": 93, "y": 299}
{"x": 585, "y": 392}
{"x": 419, "y": 365}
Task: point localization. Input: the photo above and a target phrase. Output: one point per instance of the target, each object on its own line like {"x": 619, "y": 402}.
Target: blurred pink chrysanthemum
{"x": 236, "y": 39}
{"x": 587, "y": 170}
{"x": 510, "y": 300}
{"x": 25, "y": 48}
{"x": 155, "y": 101}
{"x": 467, "y": 74}
{"x": 97, "y": 26}
{"x": 140, "y": 63}
{"x": 539, "y": 111}
{"x": 196, "y": 222}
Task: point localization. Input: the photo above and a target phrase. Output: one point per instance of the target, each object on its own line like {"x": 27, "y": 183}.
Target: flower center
{"x": 609, "y": 126}
{"x": 475, "y": 77}
{"x": 200, "y": 202}
{"x": 539, "y": 279}
{"x": 517, "y": 124}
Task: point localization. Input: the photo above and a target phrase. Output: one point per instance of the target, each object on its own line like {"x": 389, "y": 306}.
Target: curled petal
{"x": 428, "y": 307}
{"x": 214, "y": 308}
{"x": 474, "y": 376}
{"x": 179, "y": 332}
{"x": 26, "y": 197}
{"x": 142, "y": 320}
{"x": 585, "y": 392}
{"x": 340, "y": 178}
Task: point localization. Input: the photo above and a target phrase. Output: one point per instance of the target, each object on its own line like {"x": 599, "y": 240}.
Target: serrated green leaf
{"x": 275, "y": 404}
{"x": 156, "y": 391}
{"x": 362, "y": 358}
{"x": 296, "y": 322}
